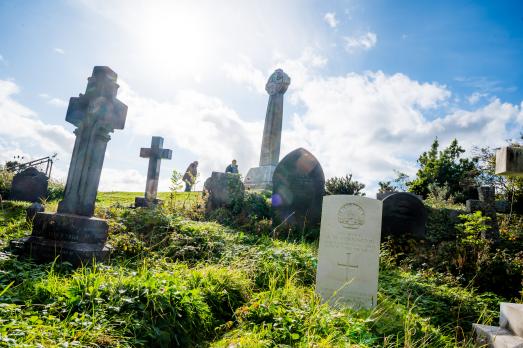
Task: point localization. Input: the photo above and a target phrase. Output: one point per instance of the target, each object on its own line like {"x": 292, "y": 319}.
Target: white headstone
{"x": 348, "y": 257}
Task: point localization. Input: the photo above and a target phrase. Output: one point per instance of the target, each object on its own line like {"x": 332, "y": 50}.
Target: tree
{"x": 440, "y": 168}
{"x": 344, "y": 186}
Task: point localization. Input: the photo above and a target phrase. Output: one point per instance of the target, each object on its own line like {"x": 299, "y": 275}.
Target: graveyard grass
{"x": 176, "y": 280}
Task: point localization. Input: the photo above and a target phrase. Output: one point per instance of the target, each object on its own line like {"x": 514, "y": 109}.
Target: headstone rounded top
{"x": 278, "y": 82}
{"x": 403, "y": 214}
{"x": 104, "y": 71}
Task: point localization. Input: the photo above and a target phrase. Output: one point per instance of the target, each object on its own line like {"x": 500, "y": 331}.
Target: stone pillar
{"x": 261, "y": 177}
{"x": 72, "y": 233}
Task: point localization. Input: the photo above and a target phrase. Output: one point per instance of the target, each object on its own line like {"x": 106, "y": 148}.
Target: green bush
{"x": 6, "y": 178}
{"x": 344, "y": 185}
{"x": 55, "y": 190}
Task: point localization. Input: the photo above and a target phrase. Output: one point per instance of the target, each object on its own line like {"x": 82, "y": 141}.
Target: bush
{"x": 344, "y": 186}
{"x": 6, "y": 178}
{"x": 55, "y": 190}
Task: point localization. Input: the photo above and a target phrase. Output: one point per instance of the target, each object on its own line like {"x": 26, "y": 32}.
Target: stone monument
{"x": 487, "y": 205}
{"x": 348, "y": 256}
{"x": 155, "y": 154}
{"x": 509, "y": 333}
{"x": 261, "y": 177}
{"x": 29, "y": 185}
{"x": 298, "y": 189}
{"x": 509, "y": 161}
{"x": 223, "y": 189}
{"x": 404, "y": 214}
{"x": 73, "y": 232}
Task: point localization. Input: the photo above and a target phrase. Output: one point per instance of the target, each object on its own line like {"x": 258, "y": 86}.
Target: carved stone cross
{"x": 348, "y": 266}
{"x": 155, "y": 154}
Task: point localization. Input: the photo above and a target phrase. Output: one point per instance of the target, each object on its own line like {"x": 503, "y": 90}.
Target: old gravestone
{"x": 298, "y": 189}
{"x": 404, "y": 214}
{"x": 29, "y": 185}
{"x": 155, "y": 154}
{"x": 487, "y": 205}
{"x": 73, "y": 232}
{"x": 348, "y": 256}
{"x": 261, "y": 177}
{"x": 223, "y": 190}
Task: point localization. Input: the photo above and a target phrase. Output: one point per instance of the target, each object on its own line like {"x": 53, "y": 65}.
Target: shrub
{"x": 55, "y": 190}
{"x": 344, "y": 186}
{"x": 6, "y": 178}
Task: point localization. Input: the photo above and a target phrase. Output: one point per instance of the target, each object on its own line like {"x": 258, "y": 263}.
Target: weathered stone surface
{"x": 261, "y": 177}
{"x": 298, "y": 189}
{"x": 502, "y": 206}
{"x": 72, "y": 233}
{"x": 155, "y": 154}
{"x": 29, "y": 185}
{"x": 142, "y": 202}
{"x": 222, "y": 190}
{"x": 487, "y": 205}
{"x": 496, "y": 337}
{"x": 404, "y": 214}
{"x": 33, "y": 209}
{"x": 509, "y": 161}
{"x": 348, "y": 257}
{"x": 511, "y": 317}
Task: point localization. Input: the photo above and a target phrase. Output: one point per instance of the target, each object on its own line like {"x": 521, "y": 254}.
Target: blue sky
{"x": 373, "y": 82}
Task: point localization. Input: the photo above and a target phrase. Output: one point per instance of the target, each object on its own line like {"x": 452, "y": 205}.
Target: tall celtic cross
{"x": 95, "y": 114}
{"x": 155, "y": 154}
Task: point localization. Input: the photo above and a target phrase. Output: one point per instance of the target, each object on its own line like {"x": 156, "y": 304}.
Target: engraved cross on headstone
{"x": 155, "y": 154}
{"x": 348, "y": 266}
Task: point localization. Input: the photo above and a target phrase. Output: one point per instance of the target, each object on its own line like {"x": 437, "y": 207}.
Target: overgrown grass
{"x": 174, "y": 282}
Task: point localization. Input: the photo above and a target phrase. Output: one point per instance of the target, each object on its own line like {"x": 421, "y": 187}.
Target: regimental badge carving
{"x": 351, "y": 216}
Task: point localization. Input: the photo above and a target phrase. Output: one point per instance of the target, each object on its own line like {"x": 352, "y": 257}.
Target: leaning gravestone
{"x": 223, "y": 190}
{"x": 348, "y": 256}
{"x": 155, "y": 154}
{"x": 29, "y": 185}
{"x": 298, "y": 189}
{"x": 404, "y": 214}
{"x": 73, "y": 232}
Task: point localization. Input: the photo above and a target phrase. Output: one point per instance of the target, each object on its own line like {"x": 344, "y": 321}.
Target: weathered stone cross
{"x": 348, "y": 266}
{"x": 487, "y": 205}
{"x": 155, "y": 154}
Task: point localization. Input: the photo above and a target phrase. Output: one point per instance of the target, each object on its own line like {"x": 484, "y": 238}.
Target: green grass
{"x": 173, "y": 281}
{"x": 106, "y": 199}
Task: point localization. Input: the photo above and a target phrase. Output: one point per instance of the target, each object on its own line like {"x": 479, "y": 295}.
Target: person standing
{"x": 232, "y": 168}
{"x": 190, "y": 176}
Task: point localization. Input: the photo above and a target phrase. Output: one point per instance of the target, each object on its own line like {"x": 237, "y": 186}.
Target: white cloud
{"x": 200, "y": 124}
{"x": 475, "y": 97}
{"x": 330, "y": 18}
{"x": 57, "y": 102}
{"x": 245, "y": 73}
{"x": 2, "y": 60}
{"x": 361, "y": 42}
{"x": 121, "y": 180}
{"x": 21, "y": 126}
{"x": 59, "y": 50}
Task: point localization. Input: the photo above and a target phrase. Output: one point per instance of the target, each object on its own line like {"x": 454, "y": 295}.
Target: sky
{"x": 373, "y": 83}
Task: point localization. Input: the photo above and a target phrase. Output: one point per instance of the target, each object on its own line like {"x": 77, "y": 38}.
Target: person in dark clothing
{"x": 190, "y": 176}
{"x": 232, "y": 168}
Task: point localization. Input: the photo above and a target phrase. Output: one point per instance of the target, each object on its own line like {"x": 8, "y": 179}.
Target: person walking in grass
{"x": 189, "y": 178}
{"x": 232, "y": 168}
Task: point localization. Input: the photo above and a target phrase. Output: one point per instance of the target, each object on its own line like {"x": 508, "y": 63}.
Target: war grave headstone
{"x": 29, "y": 185}
{"x": 487, "y": 205}
{"x": 404, "y": 214}
{"x": 223, "y": 189}
{"x": 509, "y": 333}
{"x": 73, "y": 232}
{"x": 261, "y": 177}
{"x": 348, "y": 256}
{"x": 298, "y": 189}
{"x": 155, "y": 154}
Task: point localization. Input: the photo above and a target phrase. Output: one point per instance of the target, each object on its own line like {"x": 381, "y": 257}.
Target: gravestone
{"x": 404, "y": 214}
{"x": 348, "y": 256}
{"x": 29, "y": 185}
{"x": 73, "y": 232}
{"x": 487, "y": 205}
{"x": 509, "y": 333}
{"x": 298, "y": 189}
{"x": 509, "y": 161}
{"x": 223, "y": 189}
{"x": 155, "y": 154}
{"x": 261, "y": 177}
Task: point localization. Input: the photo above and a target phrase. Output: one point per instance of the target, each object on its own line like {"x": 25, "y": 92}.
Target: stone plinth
{"x": 76, "y": 239}
{"x": 509, "y": 161}
{"x": 511, "y": 317}
{"x": 259, "y": 178}
{"x": 142, "y": 202}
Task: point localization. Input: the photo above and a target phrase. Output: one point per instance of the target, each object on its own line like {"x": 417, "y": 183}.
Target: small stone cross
{"x": 348, "y": 266}
{"x": 155, "y": 154}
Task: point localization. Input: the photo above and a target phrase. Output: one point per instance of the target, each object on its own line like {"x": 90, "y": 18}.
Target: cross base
{"x": 142, "y": 202}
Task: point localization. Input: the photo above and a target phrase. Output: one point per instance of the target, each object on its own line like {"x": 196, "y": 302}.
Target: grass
{"x": 174, "y": 281}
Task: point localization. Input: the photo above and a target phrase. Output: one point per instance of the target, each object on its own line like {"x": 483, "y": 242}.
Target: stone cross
{"x": 487, "y": 205}
{"x": 95, "y": 114}
{"x": 261, "y": 177}
{"x": 155, "y": 154}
